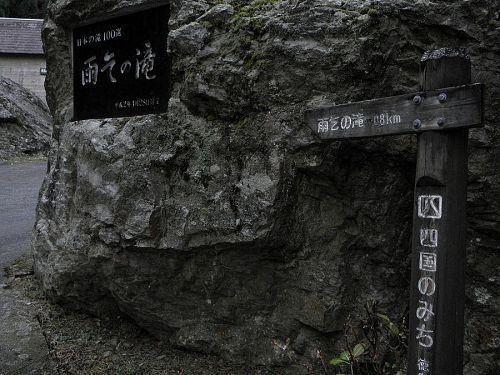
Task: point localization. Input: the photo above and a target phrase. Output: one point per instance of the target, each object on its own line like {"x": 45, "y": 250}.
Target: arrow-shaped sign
{"x": 442, "y": 109}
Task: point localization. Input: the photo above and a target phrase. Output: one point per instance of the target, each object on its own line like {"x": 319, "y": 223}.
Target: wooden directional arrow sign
{"x": 442, "y": 109}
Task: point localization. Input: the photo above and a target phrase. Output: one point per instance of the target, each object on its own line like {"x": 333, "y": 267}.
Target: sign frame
{"x": 121, "y": 96}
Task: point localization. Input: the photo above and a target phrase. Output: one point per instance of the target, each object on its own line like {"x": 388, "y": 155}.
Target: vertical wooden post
{"x": 437, "y": 292}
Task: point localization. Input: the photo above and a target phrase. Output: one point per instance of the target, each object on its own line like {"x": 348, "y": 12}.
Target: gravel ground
{"x": 82, "y": 344}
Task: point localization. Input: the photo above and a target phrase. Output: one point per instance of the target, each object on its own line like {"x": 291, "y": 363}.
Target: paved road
{"x": 19, "y": 186}
{"x": 23, "y": 349}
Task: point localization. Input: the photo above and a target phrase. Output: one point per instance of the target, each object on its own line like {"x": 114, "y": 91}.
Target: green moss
{"x": 373, "y": 12}
{"x": 245, "y": 17}
{"x": 494, "y": 23}
{"x": 254, "y": 7}
{"x": 245, "y": 43}
{"x": 22, "y": 266}
{"x": 256, "y": 61}
{"x": 24, "y": 262}
{"x": 249, "y": 135}
{"x": 242, "y": 13}
{"x": 245, "y": 122}
{"x": 207, "y": 25}
{"x": 347, "y": 12}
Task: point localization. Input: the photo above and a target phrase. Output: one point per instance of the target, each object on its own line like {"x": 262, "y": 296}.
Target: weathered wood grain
{"x": 400, "y": 114}
{"x": 437, "y": 291}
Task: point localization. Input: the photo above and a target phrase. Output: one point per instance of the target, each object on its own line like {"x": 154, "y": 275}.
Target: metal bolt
{"x": 417, "y": 99}
{"x": 441, "y": 121}
{"x": 417, "y": 124}
{"x": 442, "y": 97}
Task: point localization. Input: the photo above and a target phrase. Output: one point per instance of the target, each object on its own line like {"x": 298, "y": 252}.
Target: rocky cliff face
{"x": 25, "y": 122}
{"x": 224, "y": 225}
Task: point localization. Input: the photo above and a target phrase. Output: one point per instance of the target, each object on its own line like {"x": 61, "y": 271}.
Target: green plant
{"x": 349, "y": 357}
{"x": 381, "y": 345}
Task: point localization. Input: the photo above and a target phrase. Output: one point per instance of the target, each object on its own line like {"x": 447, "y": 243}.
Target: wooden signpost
{"x": 440, "y": 114}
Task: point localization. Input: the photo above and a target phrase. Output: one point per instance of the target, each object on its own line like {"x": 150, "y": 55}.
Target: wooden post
{"x": 437, "y": 292}
{"x": 440, "y": 114}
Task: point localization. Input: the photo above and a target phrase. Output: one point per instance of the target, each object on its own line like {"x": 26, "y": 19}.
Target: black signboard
{"x": 121, "y": 67}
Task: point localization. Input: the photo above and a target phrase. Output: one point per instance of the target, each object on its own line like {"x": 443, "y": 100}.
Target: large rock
{"x": 25, "y": 121}
{"x": 224, "y": 225}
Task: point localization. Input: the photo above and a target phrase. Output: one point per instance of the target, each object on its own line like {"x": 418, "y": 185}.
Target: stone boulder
{"x": 25, "y": 121}
{"x": 224, "y": 225}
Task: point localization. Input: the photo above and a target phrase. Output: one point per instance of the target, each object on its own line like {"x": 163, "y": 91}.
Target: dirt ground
{"x": 80, "y": 344}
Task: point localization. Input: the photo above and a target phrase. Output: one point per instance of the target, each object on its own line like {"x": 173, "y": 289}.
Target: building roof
{"x": 21, "y": 36}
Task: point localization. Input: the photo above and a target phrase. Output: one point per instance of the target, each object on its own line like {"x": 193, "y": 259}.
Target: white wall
{"x": 25, "y": 70}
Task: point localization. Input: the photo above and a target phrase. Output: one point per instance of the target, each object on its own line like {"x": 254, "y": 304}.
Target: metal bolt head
{"x": 442, "y": 97}
{"x": 417, "y": 99}
{"x": 441, "y": 121}
{"x": 417, "y": 124}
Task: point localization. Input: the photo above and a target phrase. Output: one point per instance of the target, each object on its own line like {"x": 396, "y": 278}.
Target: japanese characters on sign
{"x": 429, "y": 211}
{"x": 442, "y": 109}
{"x": 121, "y": 67}
{"x": 356, "y": 120}
{"x": 143, "y": 67}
